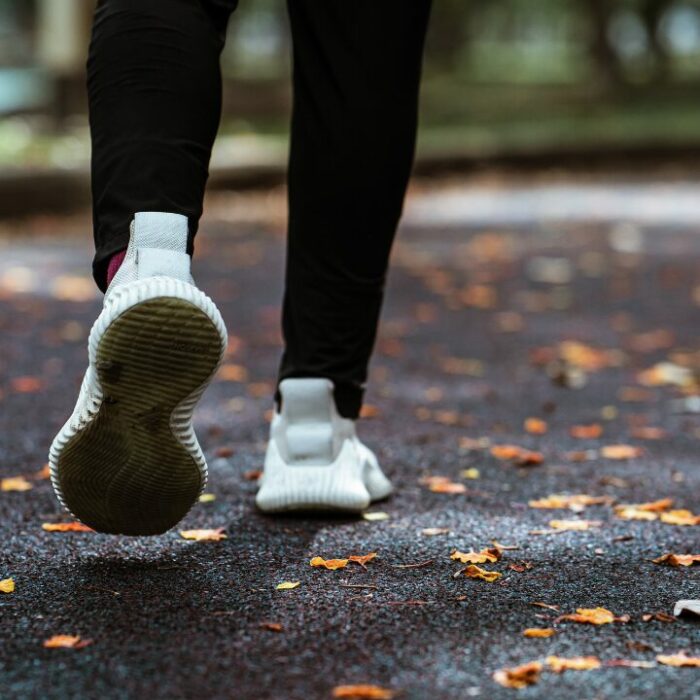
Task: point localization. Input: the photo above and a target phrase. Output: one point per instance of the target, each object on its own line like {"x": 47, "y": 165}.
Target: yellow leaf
{"x": 482, "y": 557}
{"x": 207, "y": 498}
{"x": 331, "y": 564}
{"x": 287, "y": 585}
{"x": 375, "y": 516}
{"x": 473, "y": 571}
{"x": 204, "y": 535}
{"x": 680, "y": 517}
{"x": 519, "y": 676}
{"x": 576, "y": 663}
{"x": 575, "y": 502}
{"x": 574, "y": 524}
{"x": 678, "y": 559}
{"x": 680, "y": 659}
{"x": 620, "y": 452}
{"x": 7, "y": 585}
{"x": 539, "y": 632}
{"x": 362, "y": 692}
{"x": 591, "y": 616}
{"x": 15, "y": 483}
{"x": 232, "y": 373}
{"x": 471, "y": 473}
{"x": 66, "y": 527}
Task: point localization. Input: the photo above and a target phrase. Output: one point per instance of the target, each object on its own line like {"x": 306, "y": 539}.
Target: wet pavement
{"x": 588, "y": 324}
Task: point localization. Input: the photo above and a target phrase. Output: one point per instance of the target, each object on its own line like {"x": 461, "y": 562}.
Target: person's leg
{"x": 154, "y": 89}
{"x": 127, "y": 460}
{"x": 356, "y": 80}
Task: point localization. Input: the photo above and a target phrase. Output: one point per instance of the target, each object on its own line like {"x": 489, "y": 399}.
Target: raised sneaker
{"x": 127, "y": 461}
{"x": 314, "y": 459}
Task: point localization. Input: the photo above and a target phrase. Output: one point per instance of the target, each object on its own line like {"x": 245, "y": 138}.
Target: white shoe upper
{"x": 314, "y": 458}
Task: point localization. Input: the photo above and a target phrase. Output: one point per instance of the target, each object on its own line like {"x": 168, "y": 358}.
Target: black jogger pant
{"x": 154, "y": 89}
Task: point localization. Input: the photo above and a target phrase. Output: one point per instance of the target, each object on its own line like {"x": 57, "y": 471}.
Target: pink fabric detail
{"x": 115, "y": 262}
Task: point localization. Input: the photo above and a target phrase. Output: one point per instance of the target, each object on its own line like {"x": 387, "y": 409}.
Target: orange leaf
{"x": 586, "y": 432}
{"x": 678, "y": 559}
{"x": 535, "y": 426}
{"x": 642, "y": 511}
{"x": 27, "y": 385}
{"x": 443, "y": 484}
{"x": 362, "y": 692}
{"x": 620, "y": 452}
{"x": 574, "y": 524}
{"x": 15, "y": 483}
{"x": 232, "y": 373}
{"x": 680, "y": 517}
{"x": 66, "y": 641}
{"x": 539, "y": 632}
{"x": 519, "y": 455}
{"x": 362, "y": 560}
{"x": 490, "y": 555}
{"x": 331, "y": 564}
{"x": 577, "y": 663}
{"x": 519, "y": 676}
{"x": 66, "y": 527}
{"x": 43, "y": 473}
{"x": 592, "y": 616}
{"x": 680, "y": 659}
{"x": 473, "y": 571}
{"x": 271, "y": 626}
{"x": 204, "y": 535}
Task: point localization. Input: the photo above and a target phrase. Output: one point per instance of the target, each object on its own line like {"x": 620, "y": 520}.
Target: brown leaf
{"x": 678, "y": 559}
{"x": 66, "y": 527}
{"x": 586, "y": 432}
{"x": 204, "y": 535}
{"x": 331, "y": 564}
{"x": 473, "y": 571}
{"x": 519, "y": 676}
{"x": 362, "y": 560}
{"x": 271, "y": 626}
{"x": 252, "y": 474}
{"x": 362, "y": 692}
{"x": 539, "y": 632}
{"x": 576, "y": 663}
{"x": 679, "y": 659}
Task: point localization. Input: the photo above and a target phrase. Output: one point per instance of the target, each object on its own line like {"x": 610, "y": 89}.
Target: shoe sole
{"x": 126, "y": 472}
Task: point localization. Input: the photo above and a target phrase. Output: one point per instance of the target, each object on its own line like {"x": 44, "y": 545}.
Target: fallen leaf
{"x": 207, "y": 498}
{"x": 485, "y": 555}
{"x": 593, "y": 616}
{"x": 547, "y": 606}
{"x": 443, "y": 484}
{"x": 643, "y": 511}
{"x": 232, "y": 373}
{"x": 658, "y": 616}
{"x": 679, "y": 659}
{"x": 679, "y": 517}
{"x": 362, "y": 560}
{"x": 7, "y": 585}
{"x": 287, "y": 585}
{"x": 204, "y": 535}
{"x": 539, "y": 632}
{"x": 471, "y": 473}
{"x": 15, "y": 483}
{"x": 620, "y": 452}
{"x": 252, "y": 474}
{"x": 43, "y": 473}
{"x": 375, "y": 516}
{"x": 576, "y": 663}
{"x": 665, "y": 373}
{"x": 576, "y": 502}
{"x": 331, "y": 564}
{"x": 586, "y": 432}
{"x": 362, "y": 692}
{"x": 678, "y": 559}
{"x": 271, "y": 626}
{"x": 369, "y": 411}
{"x": 66, "y": 527}
{"x": 66, "y": 641}
{"x": 574, "y": 524}
{"x": 519, "y": 455}
{"x": 473, "y": 571}
{"x": 433, "y": 531}
{"x": 648, "y": 432}
{"x": 535, "y": 426}
{"x": 629, "y": 663}
{"x": 27, "y": 385}
{"x": 519, "y": 676}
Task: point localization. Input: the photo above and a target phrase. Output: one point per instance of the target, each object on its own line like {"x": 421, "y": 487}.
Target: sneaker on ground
{"x": 127, "y": 461}
{"x": 314, "y": 459}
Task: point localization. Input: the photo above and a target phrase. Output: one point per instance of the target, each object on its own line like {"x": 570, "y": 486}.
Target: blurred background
{"x": 549, "y": 82}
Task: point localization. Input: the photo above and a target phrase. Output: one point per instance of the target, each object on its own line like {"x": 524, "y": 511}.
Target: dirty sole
{"x": 126, "y": 472}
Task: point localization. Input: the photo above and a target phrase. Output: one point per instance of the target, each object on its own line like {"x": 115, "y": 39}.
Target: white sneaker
{"x": 314, "y": 459}
{"x": 128, "y": 461}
